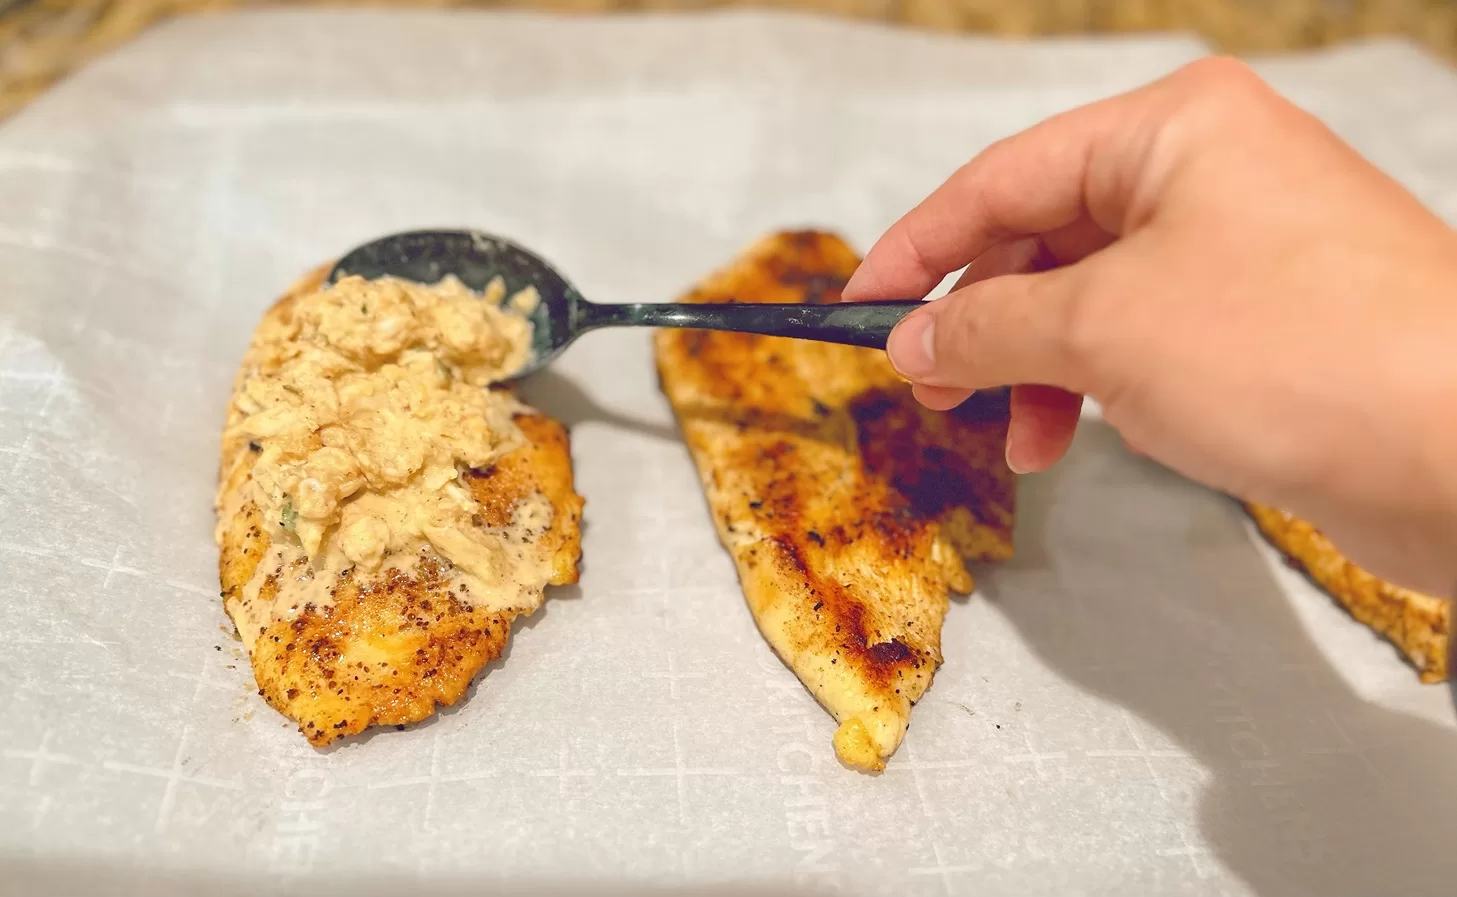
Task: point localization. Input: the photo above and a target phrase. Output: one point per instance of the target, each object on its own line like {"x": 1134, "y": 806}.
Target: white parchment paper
{"x": 1142, "y": 703}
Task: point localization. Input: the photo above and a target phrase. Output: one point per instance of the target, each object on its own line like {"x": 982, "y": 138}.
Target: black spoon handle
{"x": 848, "y": 323}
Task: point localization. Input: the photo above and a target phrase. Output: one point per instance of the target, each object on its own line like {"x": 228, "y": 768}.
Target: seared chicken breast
{"x": 1419, "y": 625}
{"x": 384, "y": 514}
{"x": 847, "y": 507}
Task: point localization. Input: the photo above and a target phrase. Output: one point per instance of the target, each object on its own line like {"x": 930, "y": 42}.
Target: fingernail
{"x": 911, "y": 345}
{"x": 1013, "y": 464}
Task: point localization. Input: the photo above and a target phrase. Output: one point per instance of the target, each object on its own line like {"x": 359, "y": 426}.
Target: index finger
{"x": 1083, "y": 162}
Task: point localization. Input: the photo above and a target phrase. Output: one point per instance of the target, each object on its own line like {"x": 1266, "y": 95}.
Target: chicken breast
{"x": 371, "y": 572}
{"x": 847, "y": 507}
{"x": 1419, "y": 625}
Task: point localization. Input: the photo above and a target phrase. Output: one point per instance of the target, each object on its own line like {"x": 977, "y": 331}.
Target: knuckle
{"x": 1224, "y": 84}
{"x": 1209, "y": 101}
{"x": 913, "y": 250}
{"x": 1221, "y": 72}
{"x": 957, "y": 326}
{"x": 959, "y": 331}
{"x": 973, "y": 167}
{"x": 1075, "y": 327}
{"x": 988, "y": 197}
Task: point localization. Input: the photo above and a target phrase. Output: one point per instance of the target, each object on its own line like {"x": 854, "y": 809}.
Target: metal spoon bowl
{"x": 562, "y": 315}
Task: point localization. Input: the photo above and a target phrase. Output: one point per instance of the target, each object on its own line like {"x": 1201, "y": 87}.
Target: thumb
{"x": 1005, "y": 331}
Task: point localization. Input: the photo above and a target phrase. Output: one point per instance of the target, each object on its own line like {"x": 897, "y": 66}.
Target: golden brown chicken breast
{"x": 383, "y": 513}
{"x": 1419, "y": 625}
{"x": 846, "y": 506}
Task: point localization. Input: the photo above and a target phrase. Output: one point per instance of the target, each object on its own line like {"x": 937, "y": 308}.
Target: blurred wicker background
{"x": 42, "y": 40}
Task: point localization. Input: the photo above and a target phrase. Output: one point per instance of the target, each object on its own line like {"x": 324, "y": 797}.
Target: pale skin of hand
{"x": 1252, "y": 304}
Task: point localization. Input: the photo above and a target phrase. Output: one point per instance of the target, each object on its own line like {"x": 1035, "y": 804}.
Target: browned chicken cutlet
{"x": 1419, "y": 625}
{"x": 391, "y": 645}
{"x": 847, "y": 507}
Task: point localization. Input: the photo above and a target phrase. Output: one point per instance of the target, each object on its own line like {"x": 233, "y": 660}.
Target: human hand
{"x": 1251, "y": 302}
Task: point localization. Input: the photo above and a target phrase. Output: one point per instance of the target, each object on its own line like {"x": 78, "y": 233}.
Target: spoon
{"x": 562, "y": 315}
